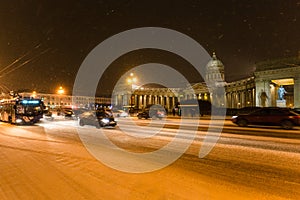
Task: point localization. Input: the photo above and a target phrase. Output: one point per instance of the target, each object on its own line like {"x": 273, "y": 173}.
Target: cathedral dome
{"x": 215, "y": 70}
{"x": 215, "y": 64}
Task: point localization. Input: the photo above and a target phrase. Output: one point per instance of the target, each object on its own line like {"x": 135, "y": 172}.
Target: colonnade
{"x": 240, "y": 98}
{"x": 259, "y": 90}
{"x": 264, "y": 84}
{"x": 142, "y": 100}
{"x": 234, "y": 99}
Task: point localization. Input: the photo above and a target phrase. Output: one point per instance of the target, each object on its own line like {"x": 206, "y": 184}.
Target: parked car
{"x": 79, "y": 111}
{"x": 99, "y": 118}
{"x": 68, "y": 113}
{"x": 296, "y": 110}
{"x": 283, "y": 117}
{"x": 152, "y": 111}
{"x": 120, "y": 113}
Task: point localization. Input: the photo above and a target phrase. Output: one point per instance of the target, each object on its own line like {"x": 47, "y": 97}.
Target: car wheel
{"x": 242, "y": 122}
{"x": 81, "y": 123}
{"x": 286, "y": 124}
{"x": 139, "y": 116}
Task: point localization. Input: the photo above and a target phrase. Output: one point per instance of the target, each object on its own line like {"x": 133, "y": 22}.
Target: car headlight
{"x": 105, "y": 121}
{"x": 233, "y": 117}
{"x": 19, "y": 121}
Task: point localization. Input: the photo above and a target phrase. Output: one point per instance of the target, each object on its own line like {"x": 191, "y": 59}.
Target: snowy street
{"x": 50, "y": 161}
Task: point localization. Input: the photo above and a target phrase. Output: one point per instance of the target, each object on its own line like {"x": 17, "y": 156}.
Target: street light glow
{"x": 61, "y": 90}
{"x": 132, "y": 79}
{"x": 33, "y": 94}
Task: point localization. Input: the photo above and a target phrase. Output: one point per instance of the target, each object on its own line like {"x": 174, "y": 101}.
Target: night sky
{"x": 43, "y": 43}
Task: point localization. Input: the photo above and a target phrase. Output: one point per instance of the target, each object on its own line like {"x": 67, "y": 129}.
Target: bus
{"x": 21, "y": 111}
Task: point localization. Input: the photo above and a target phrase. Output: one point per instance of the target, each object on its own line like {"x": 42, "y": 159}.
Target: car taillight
{"x": 296, "y": 117}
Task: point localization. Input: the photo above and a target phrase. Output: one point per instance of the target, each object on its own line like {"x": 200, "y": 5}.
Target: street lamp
{"x": 131, "y": 80}
{"x": 33, "y": 94}
{"x": 60, "y": 91}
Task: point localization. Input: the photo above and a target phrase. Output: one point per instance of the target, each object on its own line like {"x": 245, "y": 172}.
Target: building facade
{"x": 270, "y": 75}
{"x": 258, "y": 90}
{"x": 62, "y": 100}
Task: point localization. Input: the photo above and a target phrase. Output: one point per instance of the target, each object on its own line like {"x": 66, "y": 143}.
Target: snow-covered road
{"x": 50, "y": 161}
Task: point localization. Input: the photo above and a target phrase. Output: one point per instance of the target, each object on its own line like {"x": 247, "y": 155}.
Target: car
{"x": 120, "y": 113}
{"x": 247, "y": 110}
{"x": 78, "y": 111}
{"x": 68, "y": 113}
{"x": 296, "y": 110}
{"x": 152, "y": 111}
{"x": 98, "y": 118}
{"x": 283, "y": 117}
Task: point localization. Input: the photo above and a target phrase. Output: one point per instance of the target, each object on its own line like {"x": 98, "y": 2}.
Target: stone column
{"x": 114, "y": 99}
{"x": 243, "y": 104}
{"x": 120, "y": 100}
{"x": 228, "y": 101}
{"x": 136, "y": 102}
{"x": 167, "y": 102}
{"x": 273, "y": 96}
{"x": 145, "y": 100}
{"x": 297, "y": 91}
{"x": 253, "y": 97}
{"x": 140, "y": 101}
{"x": 127, "y": 99}
{"x": 233, "y": 100}
{"x": 173, "y": 101}
{"x": 263, "y": 94}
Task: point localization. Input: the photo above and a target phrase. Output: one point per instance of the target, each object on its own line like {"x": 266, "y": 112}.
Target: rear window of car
{"x": 294, "y": 113}
{"x": 278, "y": 112}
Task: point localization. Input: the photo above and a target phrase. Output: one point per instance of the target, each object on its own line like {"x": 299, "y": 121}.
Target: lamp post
{"x": 60, "y": 91}
{"x": 33, "y": 94}
{"x": 131, "y": 80}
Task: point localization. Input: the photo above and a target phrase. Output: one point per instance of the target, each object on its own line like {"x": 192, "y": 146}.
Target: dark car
{"x": 99, "y": 118}
{"x": 283, "y": 117}
{"x": 152, "y": 111}
{"x": 68, "y": 113}
{"x": 296, "y": 110}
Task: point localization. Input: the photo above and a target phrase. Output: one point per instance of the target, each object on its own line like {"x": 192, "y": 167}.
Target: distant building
{"x": 257, "y": 90}
{"x": 61, "y": 100}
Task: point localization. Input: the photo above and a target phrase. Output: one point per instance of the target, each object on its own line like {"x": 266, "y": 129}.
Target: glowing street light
{"x": 60, "y": 91}
{"x": 131, "y": 80}
{"x": 33, "y": 94}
